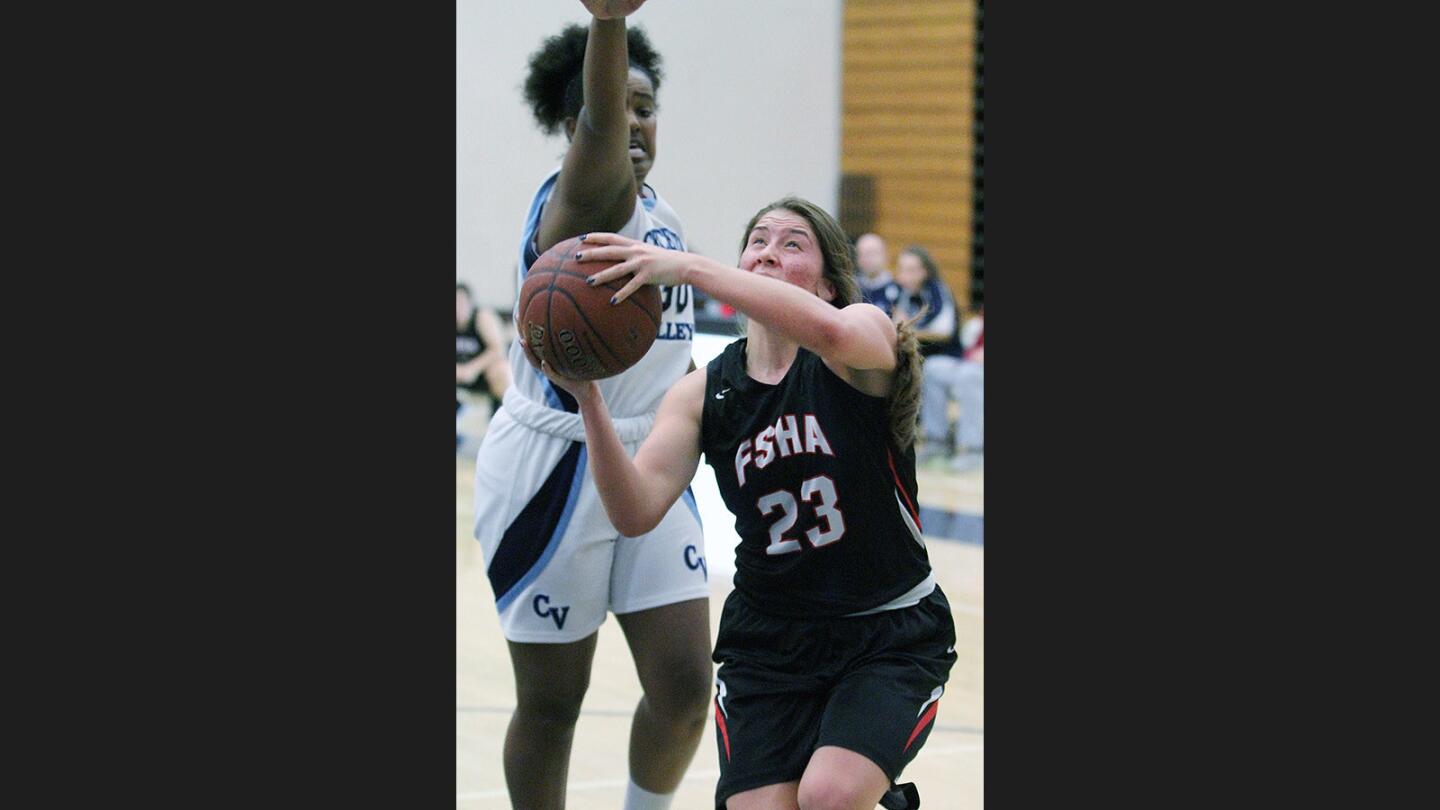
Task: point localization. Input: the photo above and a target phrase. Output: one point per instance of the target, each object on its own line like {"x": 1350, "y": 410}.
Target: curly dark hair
{"x": 554, "y": 88}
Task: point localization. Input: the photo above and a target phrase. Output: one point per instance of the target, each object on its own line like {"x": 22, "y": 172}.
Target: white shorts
{"x": 555, "y": 563}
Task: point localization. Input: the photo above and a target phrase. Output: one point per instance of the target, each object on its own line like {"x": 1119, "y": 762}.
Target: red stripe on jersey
{"x": 913, "y": 513}
{"x": 924, "y": 721}
{"x": 724, "y": 732}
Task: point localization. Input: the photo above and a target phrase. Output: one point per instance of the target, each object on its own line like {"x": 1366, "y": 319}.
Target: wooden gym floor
{"x": 948, "y": 770}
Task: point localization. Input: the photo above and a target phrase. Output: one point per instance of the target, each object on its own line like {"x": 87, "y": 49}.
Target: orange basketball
{"x": 573, "y": 326}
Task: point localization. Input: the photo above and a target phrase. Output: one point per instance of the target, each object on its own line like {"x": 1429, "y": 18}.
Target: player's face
{"x": 640, "y": 101}
{"x": 462, "y": 306}
{"x": 910, "y": 272}
{"x": 783, "y": 245}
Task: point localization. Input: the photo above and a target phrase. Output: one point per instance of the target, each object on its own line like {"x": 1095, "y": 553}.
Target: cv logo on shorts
{"x": 693, "y": 560}
{"x": 556, "y": 613}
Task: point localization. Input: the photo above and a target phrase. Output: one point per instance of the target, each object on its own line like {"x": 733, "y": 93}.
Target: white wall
{"x": 749, "y": 111}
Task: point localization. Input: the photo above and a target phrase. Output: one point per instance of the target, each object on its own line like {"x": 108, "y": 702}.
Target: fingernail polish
{"x": 612, "y": 299}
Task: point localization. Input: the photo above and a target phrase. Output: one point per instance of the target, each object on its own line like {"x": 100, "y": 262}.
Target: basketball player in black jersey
{"x": 836, "y": 643}
{"x": 480, "y": 366}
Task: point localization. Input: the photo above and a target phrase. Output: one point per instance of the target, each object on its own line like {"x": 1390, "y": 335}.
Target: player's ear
{"x": 825, "y": 289}
{"x": 570, "y": 128}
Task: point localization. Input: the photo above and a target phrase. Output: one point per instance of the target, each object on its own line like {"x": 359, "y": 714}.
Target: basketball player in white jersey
{"x": 555, "y": 562}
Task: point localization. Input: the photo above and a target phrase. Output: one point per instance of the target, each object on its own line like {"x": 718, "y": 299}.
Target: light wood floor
{"x": 948, "y": 770}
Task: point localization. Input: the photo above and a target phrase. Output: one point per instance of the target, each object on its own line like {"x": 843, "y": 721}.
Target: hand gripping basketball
{"x": 581, "y": 390}
{"x": 649, "y": 264}
{"x": 578, "y": 328}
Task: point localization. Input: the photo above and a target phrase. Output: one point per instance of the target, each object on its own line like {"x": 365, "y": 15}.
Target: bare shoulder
{"x": 869, "y": 365}
{"x": 687, "y": 396}
{"x": 871, "y": 315}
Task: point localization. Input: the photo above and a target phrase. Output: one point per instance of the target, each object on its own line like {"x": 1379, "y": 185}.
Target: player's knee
{"x": 550, "y": 715}
{"x": 830, "y": 784}
{"x": 555, "y": 707}
{"x": 834, "y": 793}
{"x": 683, "y": 693}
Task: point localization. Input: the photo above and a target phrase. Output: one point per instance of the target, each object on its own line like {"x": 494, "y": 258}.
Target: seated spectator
{"x": 969, "y": 391}
{"x": 482, "y": 372}
{"x": 948, "y": 373}
{"x": 872, "y": 272}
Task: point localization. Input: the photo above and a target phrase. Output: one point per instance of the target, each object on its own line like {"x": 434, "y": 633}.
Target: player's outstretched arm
{"x": 638, "y": 492}
{"x": 596, "y": 188}
{"x": 860, "y": 336}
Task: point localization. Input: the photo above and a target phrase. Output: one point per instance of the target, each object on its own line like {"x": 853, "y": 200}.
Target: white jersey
{"x": 638, "y": 390}
{"x": 555, "y": 562}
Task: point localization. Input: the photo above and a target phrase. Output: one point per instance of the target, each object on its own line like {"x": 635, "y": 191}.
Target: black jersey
{"x": 468, "y": 342}
{"x": 823, "y": 503}
{"x": 468, "y": 345}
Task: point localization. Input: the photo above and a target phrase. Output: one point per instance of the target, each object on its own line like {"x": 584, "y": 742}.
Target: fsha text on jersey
{"x": 783, "y": 438}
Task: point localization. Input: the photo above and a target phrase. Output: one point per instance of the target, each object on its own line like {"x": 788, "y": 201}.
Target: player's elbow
{"x": 629, "y": 516}
{"x": 633, "y": 524}
{"x": 836, "y": 332}
{"x": 854, "y": 342}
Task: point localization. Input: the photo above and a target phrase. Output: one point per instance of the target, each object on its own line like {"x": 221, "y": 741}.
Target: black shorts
{"x": 785, "y": 687}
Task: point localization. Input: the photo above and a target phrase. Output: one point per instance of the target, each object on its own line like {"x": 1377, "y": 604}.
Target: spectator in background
{"x": 947, "y": 373}
{"x": 877, "y": 286}
{"x": 481, "y": 370}
{"x": 969, "y": 390}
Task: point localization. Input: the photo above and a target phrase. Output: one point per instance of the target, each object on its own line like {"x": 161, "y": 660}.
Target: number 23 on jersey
{"x": 818, "y": 493}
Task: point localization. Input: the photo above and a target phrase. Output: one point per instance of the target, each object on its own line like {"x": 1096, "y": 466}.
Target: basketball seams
{"x": 614, "y": 285}
{"x": 590, "y": 341}
{"x": 558, "y": 268}
{"x": 549, "y": 332}
{"x": 582, "y": 340}
{"x": 655, "y": 319}
{"x": 562, "y": 359}
{"x": 592, "y": 331}
{"x": 525, "y": 317}
{"x": 560, "y": 271}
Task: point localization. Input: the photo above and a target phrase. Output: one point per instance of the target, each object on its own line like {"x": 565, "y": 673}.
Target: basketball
{"x": 573, "y": 326}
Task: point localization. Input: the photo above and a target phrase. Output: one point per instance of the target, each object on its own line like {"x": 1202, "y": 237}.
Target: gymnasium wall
{"x": 749, "y": 111}
{"x": 909, "y": 74}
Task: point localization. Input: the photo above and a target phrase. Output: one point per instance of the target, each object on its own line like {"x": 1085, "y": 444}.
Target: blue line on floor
{"x": 961, "y": 527}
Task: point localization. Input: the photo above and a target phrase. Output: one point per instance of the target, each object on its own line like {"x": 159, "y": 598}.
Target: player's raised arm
{"x": 597, "y": 185}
